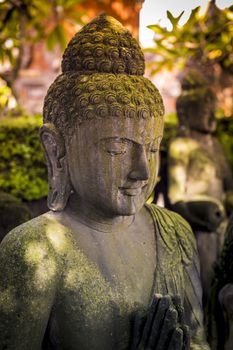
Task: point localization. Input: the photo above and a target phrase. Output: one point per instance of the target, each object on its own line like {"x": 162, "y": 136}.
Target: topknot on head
{"x": 195, "y": 87}
{"x": 193, "y": 80}
{"x": 103, "y": 46}
{"x": 196, "y": 98}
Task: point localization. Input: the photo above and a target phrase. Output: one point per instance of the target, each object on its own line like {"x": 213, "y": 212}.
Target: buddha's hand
{"x": 209, "y": 213}
{"x": 203, "y": 214}
{"x": 163, "y": 327}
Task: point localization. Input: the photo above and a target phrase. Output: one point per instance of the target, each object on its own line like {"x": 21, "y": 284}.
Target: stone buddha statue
{"x": 101, "y": 270}
{"x": 200, "y": 179}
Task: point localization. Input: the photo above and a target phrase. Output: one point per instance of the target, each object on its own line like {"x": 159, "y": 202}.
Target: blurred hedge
{"x": 22, "y": 163}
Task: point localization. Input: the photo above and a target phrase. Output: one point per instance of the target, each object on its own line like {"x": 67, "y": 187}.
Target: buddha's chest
{"x": 205, "y": 172}
{"x": 101, "y": 290}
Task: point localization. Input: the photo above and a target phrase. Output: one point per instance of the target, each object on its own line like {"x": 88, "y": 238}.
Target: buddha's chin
{"x": 130, "y": 205}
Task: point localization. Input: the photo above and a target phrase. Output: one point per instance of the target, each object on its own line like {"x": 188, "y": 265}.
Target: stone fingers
{"x": 169, "y": 324}
{"x": 186, "y": 337}
{"x": 186, "y": 332}
{"x": 163, "y": 328}
{"x": 176, "y": 342}
{"x": 137, "y": 331}
{"x": 150, "y": 319}
{"x": 176, "y": 299}
{"x": 163, "y": 305}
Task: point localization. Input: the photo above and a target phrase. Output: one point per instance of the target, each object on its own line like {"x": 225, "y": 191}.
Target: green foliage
{"x": 5, "y": 97}
{"x": 25, "y": 21}
{"x": 22, "y": 163}
{"x": 205, "y": 39}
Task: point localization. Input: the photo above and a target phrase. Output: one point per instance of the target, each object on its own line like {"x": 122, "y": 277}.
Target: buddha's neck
{"x": 195, "y": 134}
{"x": 89, "y": 216}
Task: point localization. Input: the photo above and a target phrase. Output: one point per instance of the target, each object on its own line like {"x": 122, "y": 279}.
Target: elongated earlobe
{"x": 58, "y": 175}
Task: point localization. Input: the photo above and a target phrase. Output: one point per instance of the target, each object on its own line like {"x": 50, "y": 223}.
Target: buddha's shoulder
{"x": 167, "y": 217}
{"x": 174, "y": 231}
{"x": 181, "y": 146}
{"x": 44, "y": 232}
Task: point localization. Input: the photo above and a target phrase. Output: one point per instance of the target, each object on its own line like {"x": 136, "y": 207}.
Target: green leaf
{"x": 174, "y": 20}
{"x": 57, "y": 36}
{"x": 2, "y": 56}
{"x": 51, "y": 40}
{"x": 68, "y": 3}
{"x": 193, "y": 15}
{"x": 157, "y": 29}
{"x": 61, "y": 38}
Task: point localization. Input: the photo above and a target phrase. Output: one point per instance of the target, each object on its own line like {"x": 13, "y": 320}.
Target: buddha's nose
{"x": 140, "y": 169}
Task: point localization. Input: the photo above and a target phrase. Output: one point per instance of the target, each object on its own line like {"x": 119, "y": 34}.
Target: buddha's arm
{"x": 27, "y": 290}
{"x": 191, "y": 288}
{"x": 193, "y": 308}
{"x": 193, "y": 291}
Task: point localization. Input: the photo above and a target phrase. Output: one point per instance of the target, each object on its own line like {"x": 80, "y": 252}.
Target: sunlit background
{"x": 154, "y": 11}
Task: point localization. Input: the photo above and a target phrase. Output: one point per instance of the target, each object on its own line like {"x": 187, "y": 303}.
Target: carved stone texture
{"x": 199, "y": 174}
{"x": 220, "y": 306}
{"x": 110, "y": 50}
{"x": 87, "y": 274}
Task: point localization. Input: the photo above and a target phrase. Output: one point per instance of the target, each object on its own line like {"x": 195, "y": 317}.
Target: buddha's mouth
{"x": 132, "y": 191}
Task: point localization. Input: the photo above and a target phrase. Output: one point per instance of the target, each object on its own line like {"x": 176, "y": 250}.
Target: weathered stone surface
{"x": 87, "y": 274}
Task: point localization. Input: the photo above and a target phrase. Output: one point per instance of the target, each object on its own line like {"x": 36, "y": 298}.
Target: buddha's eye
{"x": 115, "y": 151}
{"x": 153, "y": 147}
{"x": 114, "y": 147}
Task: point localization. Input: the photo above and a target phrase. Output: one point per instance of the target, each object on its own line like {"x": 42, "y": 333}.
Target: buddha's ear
{"x": 58, "y": 174}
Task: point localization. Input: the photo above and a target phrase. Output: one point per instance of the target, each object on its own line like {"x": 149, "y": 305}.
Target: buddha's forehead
{"x": 138, "y": 130}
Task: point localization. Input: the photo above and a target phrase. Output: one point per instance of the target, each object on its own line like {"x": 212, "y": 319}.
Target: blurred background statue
{"x": 200, "y": 180}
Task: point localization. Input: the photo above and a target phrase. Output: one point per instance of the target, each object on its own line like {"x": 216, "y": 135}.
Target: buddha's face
{"x": 113, "y": 163}
{"x": 202, "y": 115}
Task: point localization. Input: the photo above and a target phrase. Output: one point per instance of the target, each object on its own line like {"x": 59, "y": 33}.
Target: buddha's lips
{"x": 132, "y": 191}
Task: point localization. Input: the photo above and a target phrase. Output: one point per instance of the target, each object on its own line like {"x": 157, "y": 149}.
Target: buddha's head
{"x": 196, "y": 105}
{"x": 103, "y": 123}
